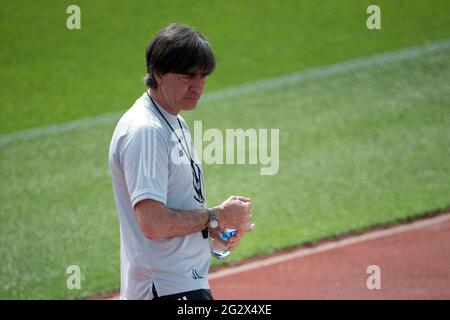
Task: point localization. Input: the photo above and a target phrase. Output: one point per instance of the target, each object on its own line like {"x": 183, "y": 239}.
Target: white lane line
{"x": 303, "y": 252}
{"x": 276, "y": 82}
{"x": 330, "y": 70}
{"x": 33, "y": 133}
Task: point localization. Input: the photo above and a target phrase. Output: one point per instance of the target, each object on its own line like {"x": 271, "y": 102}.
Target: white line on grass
{"x": 303, "y": 252}
{"x": 276, "y": 82}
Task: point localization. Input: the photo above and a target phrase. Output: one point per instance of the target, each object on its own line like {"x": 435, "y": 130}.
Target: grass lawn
{"x": 50, "y": 74}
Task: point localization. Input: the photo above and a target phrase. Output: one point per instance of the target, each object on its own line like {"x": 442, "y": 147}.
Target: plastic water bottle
{"x": 220, "y": 251}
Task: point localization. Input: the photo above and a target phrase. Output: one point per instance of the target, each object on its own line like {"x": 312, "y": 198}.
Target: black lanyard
{"x": 171, "y": 128}
{"x": 196, "y": 171}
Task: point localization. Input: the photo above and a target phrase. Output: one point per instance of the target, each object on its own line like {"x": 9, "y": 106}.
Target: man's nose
{"x": 197, "y": 84}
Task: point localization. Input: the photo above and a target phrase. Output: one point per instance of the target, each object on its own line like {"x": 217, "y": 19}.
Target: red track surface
{"x": 414, "y": 264}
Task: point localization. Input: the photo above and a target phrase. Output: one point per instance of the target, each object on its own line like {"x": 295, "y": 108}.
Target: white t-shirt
{"x": 147, "y": 161}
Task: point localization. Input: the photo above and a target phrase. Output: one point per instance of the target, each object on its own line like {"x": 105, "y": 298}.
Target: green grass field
{"x": 357, "y": 149}
{"x": 50, "y": 74}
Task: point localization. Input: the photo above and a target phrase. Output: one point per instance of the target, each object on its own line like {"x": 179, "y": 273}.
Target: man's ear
{"x": 158, "y": 78}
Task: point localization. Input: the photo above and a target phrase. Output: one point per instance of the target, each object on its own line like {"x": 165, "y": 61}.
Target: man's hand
{"x": 233, "y": 241}
{"x": 234, "y": 213}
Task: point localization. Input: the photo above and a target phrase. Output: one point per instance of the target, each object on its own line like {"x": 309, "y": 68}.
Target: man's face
{"x": 179, "y": 92}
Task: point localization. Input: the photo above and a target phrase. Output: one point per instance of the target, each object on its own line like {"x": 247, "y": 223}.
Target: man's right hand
{"x": 234, "y": 213}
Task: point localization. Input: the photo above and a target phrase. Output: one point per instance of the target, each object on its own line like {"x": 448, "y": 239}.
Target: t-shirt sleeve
{"x": 145, "y": 164}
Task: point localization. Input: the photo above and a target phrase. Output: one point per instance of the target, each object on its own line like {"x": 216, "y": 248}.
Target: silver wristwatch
{"x": 213, "y": 221}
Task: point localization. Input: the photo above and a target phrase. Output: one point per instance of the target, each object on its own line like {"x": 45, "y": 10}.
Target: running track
{"x": 414, "y": 262}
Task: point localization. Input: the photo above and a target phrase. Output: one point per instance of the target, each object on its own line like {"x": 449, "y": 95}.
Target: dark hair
{"x": 179, "y": 49}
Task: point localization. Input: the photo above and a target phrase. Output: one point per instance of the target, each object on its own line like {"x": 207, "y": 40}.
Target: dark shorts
{"x": 200, "y": 294}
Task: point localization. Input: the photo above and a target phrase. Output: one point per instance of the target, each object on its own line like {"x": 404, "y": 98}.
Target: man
{"x": 158, "y": 180}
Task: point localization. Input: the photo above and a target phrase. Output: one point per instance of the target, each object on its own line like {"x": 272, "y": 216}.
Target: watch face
{"x": 213, "y": 224}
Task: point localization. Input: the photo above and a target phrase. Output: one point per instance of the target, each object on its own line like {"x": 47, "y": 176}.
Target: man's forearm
{"x": 175, "y": 223}
{"x": 158, "y": 222}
